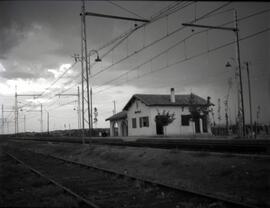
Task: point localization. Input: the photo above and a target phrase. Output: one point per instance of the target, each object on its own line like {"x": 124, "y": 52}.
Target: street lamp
{"x": 235, "y": 30}
{"x": 98, "y": 59}
{"x": 228, "y": 64}
{"x": 77, "y": 57}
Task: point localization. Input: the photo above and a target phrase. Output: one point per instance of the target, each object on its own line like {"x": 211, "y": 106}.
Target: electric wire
{"x": 156, "y": 41}
{"x": 131, "y": 31}
{"x": 126, "y": 35}
{"x": 191, "y": 57}
{"x": 240, "y": 19}
{"x": 180, "y": 42}
{"x": 51, "y": 85}
{"x": 125, "y": 9}
{"x": 155, "y": 16}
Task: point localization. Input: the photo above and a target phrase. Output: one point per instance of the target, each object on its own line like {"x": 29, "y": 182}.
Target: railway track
{"x": 241, "y": 146}
{"x": 102, "y": 188}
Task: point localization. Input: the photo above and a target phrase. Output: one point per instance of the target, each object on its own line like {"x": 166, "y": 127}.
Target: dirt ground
{"x": 243, "y": 178}
{"x": 19, "y": 187}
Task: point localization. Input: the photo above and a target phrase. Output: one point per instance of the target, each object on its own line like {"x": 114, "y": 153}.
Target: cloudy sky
{"x": 39, "y": 38}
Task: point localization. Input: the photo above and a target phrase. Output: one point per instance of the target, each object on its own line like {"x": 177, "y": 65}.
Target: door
{"x": 204, "y": 122}
{"x": 159, "y": 126}
{"x": 197, "y": 125}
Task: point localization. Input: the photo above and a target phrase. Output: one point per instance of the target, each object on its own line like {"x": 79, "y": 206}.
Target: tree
{"x": 195, "y": 109}
{"x": 164, "y": 119}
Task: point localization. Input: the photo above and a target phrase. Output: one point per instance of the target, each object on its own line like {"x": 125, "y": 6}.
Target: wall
{"x": 174, "y": 128}
{"x": 135, "y": 112}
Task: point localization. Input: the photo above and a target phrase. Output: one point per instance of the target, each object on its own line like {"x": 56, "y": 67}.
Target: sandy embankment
{"x": 237, "y": 177}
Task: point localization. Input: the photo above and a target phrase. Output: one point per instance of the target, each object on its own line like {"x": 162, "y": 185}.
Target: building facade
{"x": 170, "y": 115}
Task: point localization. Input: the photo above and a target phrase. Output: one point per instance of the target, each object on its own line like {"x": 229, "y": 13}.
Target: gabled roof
{"x": 117, "y": 116}
{"x": 164, "y": 100}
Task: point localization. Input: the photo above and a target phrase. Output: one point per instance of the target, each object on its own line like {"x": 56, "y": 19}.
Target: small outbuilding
{"x": 171, "y": 115}
{"x": 118, "y": 124}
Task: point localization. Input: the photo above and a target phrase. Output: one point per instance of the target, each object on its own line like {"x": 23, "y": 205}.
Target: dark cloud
{"x": 12, "y": 30}
{"x": 15, "y": 70}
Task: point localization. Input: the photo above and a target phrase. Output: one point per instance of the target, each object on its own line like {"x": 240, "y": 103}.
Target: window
{"x": 134, "y": 123}
{"x": 185, "y": 120}
{"x": 144, "y": 121}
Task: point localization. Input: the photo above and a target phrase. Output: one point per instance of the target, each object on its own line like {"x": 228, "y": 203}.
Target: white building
{"x": 144, "y": 115}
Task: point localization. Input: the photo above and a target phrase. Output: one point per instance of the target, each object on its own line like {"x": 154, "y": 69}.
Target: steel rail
{"x": 89, "y": 203}
{"x": 110, "y": 171}
{"x": 206, "y": 146}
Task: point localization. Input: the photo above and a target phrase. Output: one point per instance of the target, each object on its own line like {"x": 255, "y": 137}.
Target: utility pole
{"x": 24, "y": 123}
{"x": 226, "y": 103}
{"x": 16, "y": 109}
{"x": 48, "y": 122}
{"x": 258, "y": 116}
{"x": 3, "y": 122}
{"x": 226, "y": 116}
{"x": 41, "y": 118}
{"x": 114, "y": 107}
{"x": 236, "y": 32}
{"x": 250, "y": 103}
{"x": 7, "y": 126}
{"x": 240, "y": 73}
{"x": 219, "y": 116}
{"x": 84, "y": 62}
{"x": 82, "y": 66}
{"x": 91, "y": 104}
{"x": 16, "y": 116}
{"x": 78, "y": 107}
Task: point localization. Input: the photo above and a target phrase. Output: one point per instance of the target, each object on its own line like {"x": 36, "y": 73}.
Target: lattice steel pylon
{"x": 16, "y": 110}
{"x": 87, "y": 97}
{"x": 85, "y": 75}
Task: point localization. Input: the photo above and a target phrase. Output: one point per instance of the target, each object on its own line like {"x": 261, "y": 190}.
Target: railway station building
{"x": 157, "y": 115}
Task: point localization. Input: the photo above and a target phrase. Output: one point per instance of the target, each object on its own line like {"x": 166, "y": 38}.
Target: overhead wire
{"x": 131, "y": 31}
{"x": 154, "y": 42}
{"x": 121, "y": 37}
{"x": 125, "y": 9}
{"x": 51, "y": 85}
{"x": 159, "y": 54}
{"x": 195, "y": 56}
{"x": 153, "y": 17}
{"x": 240, "y": 19}
{"x": 179, "y": 42}
{"x": 125, "y": 35}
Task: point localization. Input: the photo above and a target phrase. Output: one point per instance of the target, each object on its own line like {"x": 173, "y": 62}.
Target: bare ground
{"x": 244, "y": 178}
{"x": 19, "y": 187}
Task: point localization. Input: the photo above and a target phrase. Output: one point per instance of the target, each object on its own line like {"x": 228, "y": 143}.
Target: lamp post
{"x": 249, "y": 92}
{"x": 85, "y": 62}
{"x": 91, "y": 92}
{"x": 250, "y": 103}
{"x": 88, "y": 99}
{"x": 239, "y": 124}
{"x": 48, "y": 122}
{"x": 236, "y": 32}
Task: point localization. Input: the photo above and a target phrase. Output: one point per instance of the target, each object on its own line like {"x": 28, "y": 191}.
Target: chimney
{"x": 208, "y": 100}
{"x": 172, "y": 95}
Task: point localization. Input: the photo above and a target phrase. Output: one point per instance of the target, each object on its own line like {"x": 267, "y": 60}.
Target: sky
{"x": 39, "y": 38}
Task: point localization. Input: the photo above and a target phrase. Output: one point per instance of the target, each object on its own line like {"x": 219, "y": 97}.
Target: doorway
{"x": 159, "y": 126}
{"x": 197, "y": 125}
{"x": 204, "y": 124}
